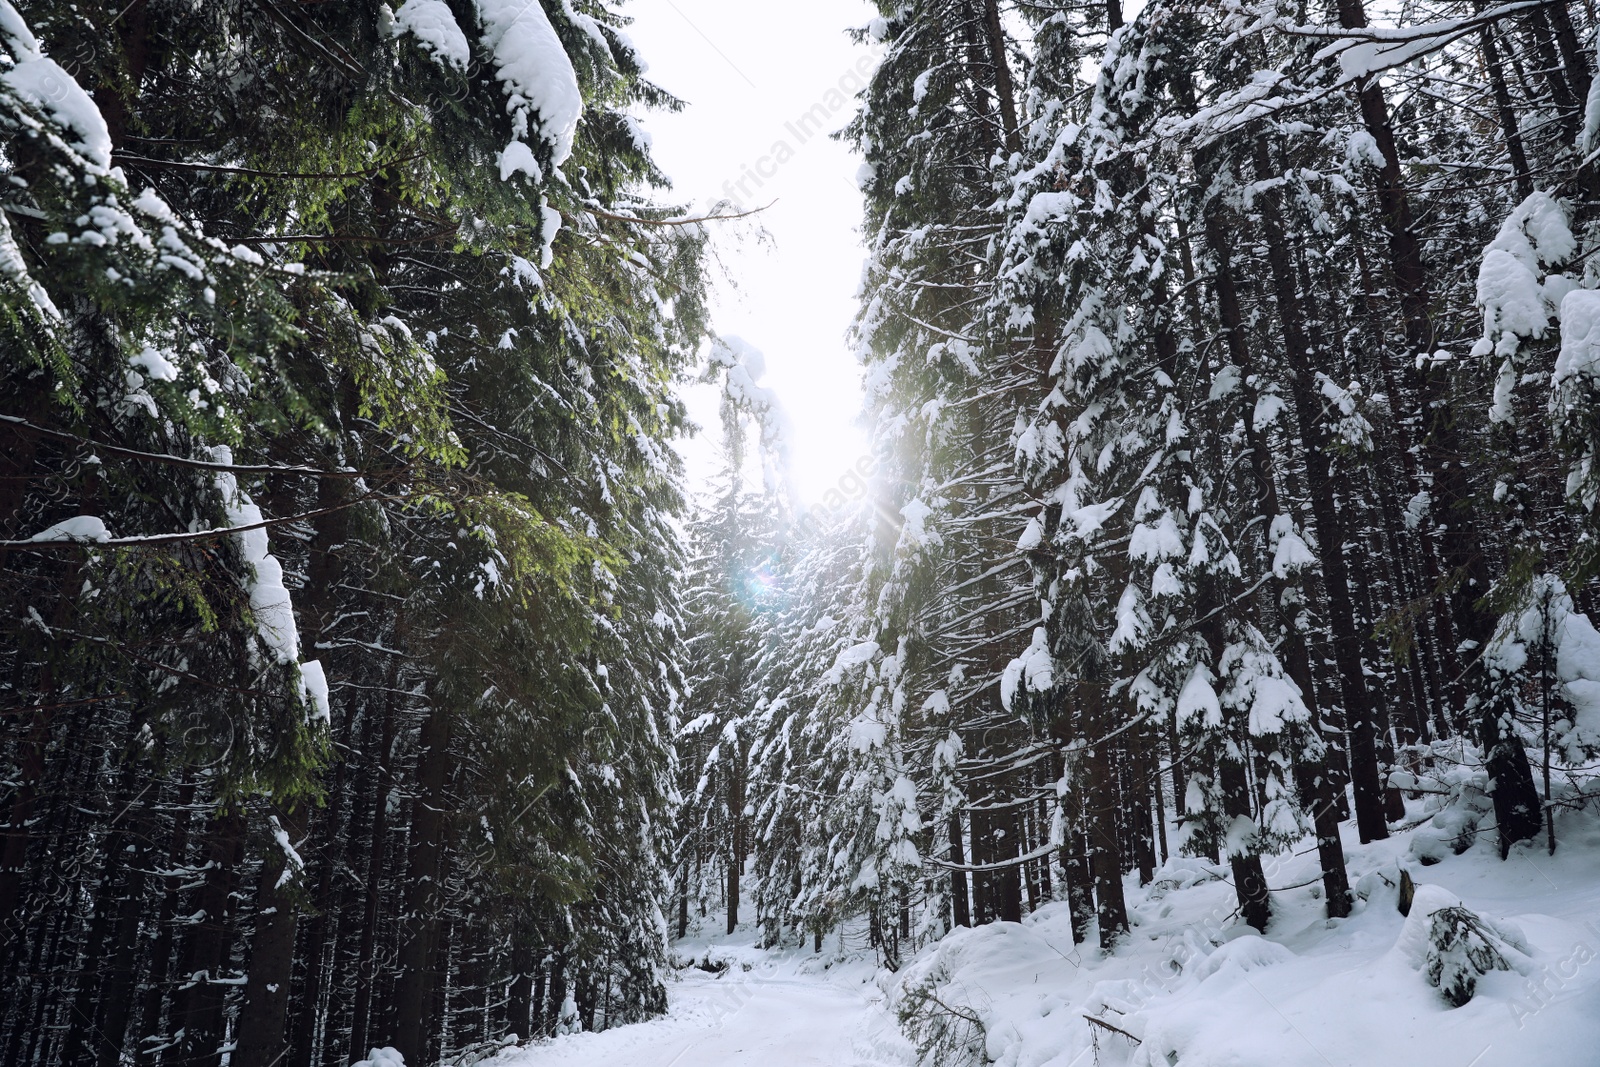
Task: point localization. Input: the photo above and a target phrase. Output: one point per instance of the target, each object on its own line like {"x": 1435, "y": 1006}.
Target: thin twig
{"x": 1113, "y": 1029}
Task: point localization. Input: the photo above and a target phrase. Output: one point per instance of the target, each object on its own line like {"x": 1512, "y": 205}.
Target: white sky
{"x": 749, "y": 70}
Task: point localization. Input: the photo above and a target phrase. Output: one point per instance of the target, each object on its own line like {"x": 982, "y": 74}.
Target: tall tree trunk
{"x": 1075, "y": 855}
{"x": 372, "y": 896}
{"x": 519, "y": 995}
{"x": 1100, "y": 800}
{"x": 208, "y": 946}
{"x": 261, "y": 1037}
{"x": 1505, "y": 112}
{"x": 424, "y": 895}
{"x": 1567, "y": 103}
{"x": 1137, "y": 796}
{"x": 1249, "y": 881}
{"x": 1346, "y": 638}
{"x": 15, "y": 837}
{"x": 117, "y": 992}
{"x": 735, "y": 849}
{"x": 541, "y": 982}
{"x": 1008, "y": 879}
{"x": 302, "y": 1018}
{"x": 558, "y": 991}
{"x": 1515, "y": 797}
{"x": 960, "y": 905}
{"x": 683, "y": 900}
{"x": 120, "y": 882}
{"x": 1004, "y": 89}
{"x": 161, "y": 952}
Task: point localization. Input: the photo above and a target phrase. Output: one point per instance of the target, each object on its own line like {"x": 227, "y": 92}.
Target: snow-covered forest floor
{"x": 780, "y": 1008}
{"x": 1193, "y": 985}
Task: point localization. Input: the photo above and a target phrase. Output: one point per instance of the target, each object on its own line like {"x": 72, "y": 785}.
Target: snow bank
{"x": 1192, "y": 986}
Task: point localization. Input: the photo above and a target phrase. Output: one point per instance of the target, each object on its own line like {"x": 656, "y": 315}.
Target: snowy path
{"x": 783, "y": 1011}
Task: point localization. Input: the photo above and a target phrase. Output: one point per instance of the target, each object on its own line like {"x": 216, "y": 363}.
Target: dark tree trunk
{"x": 1516, "y": 798}
{"x": 15, "y": 838}
{"x": 519, "y": 997}
{"x": 683, "y": 904}
{"x": 1105, "y": 853}
{"x": 734, "y": 863}
{"x": 372, "y": 895}
{"x": 1138, "y": 764}
{"x": 1505, "y": 112}
{"x": 558, "y": 991}
{"x": 419, "y": 941}
{"x": 1249, "y": 881}
{"x": 120, "y": 883}
{"x": 1008, "y": 879}
{"x": 1567, "y": 103}
{"x": 541, "y": 1015}
{"x": 117, "y": 992}
{"x": 736, "y": 846}
{"x": 1075, "y": 862}
{"x": 161, "y": 952}
{"x": 983, "y": 908}
{"x": 1346, "y": 638}
{"x": 958, "y": 878}
{"x": 261, "y": 1037}
{"x": 1463, "y": 556}
{"x": 1004, "y": 90}
{"x": 208, "y": 947}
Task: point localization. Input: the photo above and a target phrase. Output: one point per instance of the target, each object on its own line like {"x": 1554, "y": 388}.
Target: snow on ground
{"x": 786, "y": 1008}
{"x": 1195, "y": 987}
{"x": 1191, "y": 987}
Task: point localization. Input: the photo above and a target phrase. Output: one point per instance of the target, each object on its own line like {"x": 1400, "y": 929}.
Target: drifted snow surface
{"x": 786, "y": 1008}
{"x": 1194, "y": 987}
{"x": 1191, "y": 987}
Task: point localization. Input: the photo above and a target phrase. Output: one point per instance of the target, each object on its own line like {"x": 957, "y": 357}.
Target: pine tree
{"x": 415, "y": 348}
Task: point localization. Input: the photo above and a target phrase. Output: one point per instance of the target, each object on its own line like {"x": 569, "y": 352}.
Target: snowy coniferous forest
{"x": 372, "y": 677}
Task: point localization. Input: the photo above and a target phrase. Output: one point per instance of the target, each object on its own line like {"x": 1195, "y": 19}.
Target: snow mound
{"x": 1248, "y": 953}
{"x": 1492, "y": 966}
{"x": 1412, "y": 944}
{"x": 382, "y": 1057}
